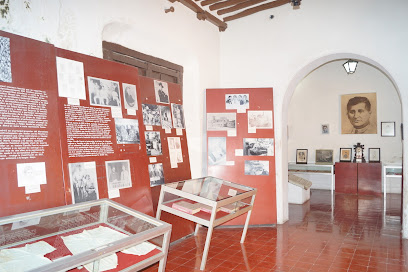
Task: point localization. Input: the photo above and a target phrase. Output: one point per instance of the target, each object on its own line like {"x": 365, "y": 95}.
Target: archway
{"x": 299, "y": 76}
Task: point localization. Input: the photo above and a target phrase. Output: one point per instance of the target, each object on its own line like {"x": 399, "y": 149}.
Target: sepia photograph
{"x": 257, "y": 168}
{"x": 325, "y": 129}
{"x": 103, "y": 92}
{"x": 324, "y": 156}
{"x": 178, "y": 115}
{"x": 374, "y": 155}
{"x": 5, "y": 61}
{"x": 161, "y": 90}
{"x": 260, "y": 119}
{"x": 211, "y": 188}
{"x": 127, "y": 131}
{"x": 151, "y": 115}
{"x": 156, "y": 174}
{"x": 153, "y": 143}
{"x": 84, "y": 183}
{"x": 118, "y": 174}
{"x": 130, "y": 96}
{"x": 388, "y": 129}
{"x": 165, "y": 117}
{"x": 236, "y": 101}
{"x": 258, "y": 147}
{"x": 217, "y": 150}
{"x": 345, "y": 154}
{"x": 301, "y": 156}
{"x": 359, "y": 113}
{"x": 221, "y": 121}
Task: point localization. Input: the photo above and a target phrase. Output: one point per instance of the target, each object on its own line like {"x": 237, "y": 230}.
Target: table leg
{"x": 206, "y": 247}
{"x": 158, "y": 213}
{"x": 196, "y": 229}
{"x": 166, "y": 242}
{"x": 247, "y": 221}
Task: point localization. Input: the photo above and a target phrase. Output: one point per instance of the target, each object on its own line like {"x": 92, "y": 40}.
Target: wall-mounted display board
{"x": 241, "y": 145}
{"x": 75, "y": 128}
{"x": 30, "y": 157}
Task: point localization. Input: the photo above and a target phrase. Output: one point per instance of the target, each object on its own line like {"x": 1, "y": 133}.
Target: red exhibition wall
{"x": 260, "y": 99}
{"x": 39, "y": 125}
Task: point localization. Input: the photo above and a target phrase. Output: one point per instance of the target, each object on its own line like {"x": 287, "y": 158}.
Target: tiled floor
{"x": 354, "y": 236}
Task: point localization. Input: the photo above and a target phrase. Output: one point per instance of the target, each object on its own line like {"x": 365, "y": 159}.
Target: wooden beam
{"x": 246, "y": 4}
{"x": 225, "y": 4}
{"x": 256, "y": 9}
{"x": 209, "y": 2}
{"x": 222, "y": 26}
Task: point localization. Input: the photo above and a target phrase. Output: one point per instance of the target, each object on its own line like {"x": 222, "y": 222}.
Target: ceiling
{"x": 219, "y": 12}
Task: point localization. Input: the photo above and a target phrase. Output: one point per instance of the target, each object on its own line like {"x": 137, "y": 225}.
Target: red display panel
{"x": 137, "y": 196}
{"x": 29, "y": 128}
{"x": 181, "y": 227}
{"x": 260, "y": 99}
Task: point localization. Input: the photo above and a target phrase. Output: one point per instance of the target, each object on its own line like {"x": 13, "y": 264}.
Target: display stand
{"x": 390, "y": 171}
{"x": 220, "y": 201}
{"x": 52, "y": 224}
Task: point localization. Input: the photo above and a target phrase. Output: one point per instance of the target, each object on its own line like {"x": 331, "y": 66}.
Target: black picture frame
{"x": 387, "y": 129}
{"x": 374, "y": 155}
{"x": 343, "y": 157}
{"x": 301, "y": 156}
{"x": 324, "y": 156}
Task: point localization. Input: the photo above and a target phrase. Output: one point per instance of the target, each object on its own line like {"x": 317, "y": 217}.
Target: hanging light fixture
{"x": 350, "y": 66}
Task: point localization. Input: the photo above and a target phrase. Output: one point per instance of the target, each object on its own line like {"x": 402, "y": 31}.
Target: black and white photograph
{"x": 161, "y": 90}
{"x": 118, "y": 174}
{"x": 84, "y": 183}
{"x": 217, "y": 150}
{"x": 71, "y": 78}
{"x": 257, "y": 168}
{"x": 103, "y": 92}
{"x": 325, "y": 129}
{"x": 258, "y": 147}
{"x": 32, "y": 173}
{"x": 301, "y": 156}
{"x": 127, "y": 131}
{"x": 151, "y": 115}
{"x": 175, "y": 152}
{"x": 221, "y": 121}
{"x": 359, "y": 113}
{"x": 153, "y": 143}
{"x": 5, "y": 60}
{"x": 260, "y": 119}
{"x": 388, "y": 129}
{"x": 236, "y": 101}
{"x": 374, "y": 155}
{"x": 324, "y": 156}
{"x": 165, "y": 117}
{"x": 178, "y": 115}
{"x": 211, "y": 188}
{"x": 156, "y": 174}
{"x": 130, "y": 96}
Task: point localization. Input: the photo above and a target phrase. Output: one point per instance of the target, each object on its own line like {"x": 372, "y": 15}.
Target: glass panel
{"x": 126, "y": 222}
{"x": 309, "y": 168}
{"x": 394, "y": 171}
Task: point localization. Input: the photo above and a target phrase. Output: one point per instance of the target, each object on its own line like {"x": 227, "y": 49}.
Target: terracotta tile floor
{"x": 357, "y": 236}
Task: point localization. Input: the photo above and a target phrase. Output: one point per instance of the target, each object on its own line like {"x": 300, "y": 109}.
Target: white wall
{"x": 142, "y": 25}
{"x": 259, "y": 52}
{"x": 316, "y": 101}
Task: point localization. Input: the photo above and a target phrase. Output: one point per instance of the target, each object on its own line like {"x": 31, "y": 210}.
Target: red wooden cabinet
{"x": 358, "y": 178}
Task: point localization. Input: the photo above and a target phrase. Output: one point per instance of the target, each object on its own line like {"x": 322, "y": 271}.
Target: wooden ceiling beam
{"x": 202, "y": 14}
{"x": 243, "y": 5}
{"x": 225, "y": 4}
{"x": 209, "y": 2}
{"x": 256, "y": 9}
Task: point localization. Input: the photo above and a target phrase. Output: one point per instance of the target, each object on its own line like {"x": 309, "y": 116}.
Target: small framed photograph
{"x": 387, "y": 129}
{"x": 324, "y": 156}
{"x": 325, "y": 129}
{"x": 301, "y": 156}
{"x": 345, "y": 154}
{"x": 374, "y": 155}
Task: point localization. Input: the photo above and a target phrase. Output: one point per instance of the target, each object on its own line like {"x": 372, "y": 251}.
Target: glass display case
{"x": 320, "y": 169}
{"x": 208, "y": 202}
{"x": 390, "y": 171}
{"x": 92, "y": 236}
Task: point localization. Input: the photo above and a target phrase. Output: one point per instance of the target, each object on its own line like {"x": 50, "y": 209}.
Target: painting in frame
{"x": 345, "y": 154}
{"x": 374, "y": 155}
{"x": 324, "y": 156}
{"x": 387, "y": 129}
{"x": 301, "y": 156}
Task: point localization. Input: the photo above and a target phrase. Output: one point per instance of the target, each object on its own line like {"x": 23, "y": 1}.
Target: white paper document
{"x": 116, "y": 112}
{"x": 114, "y": 193}
{"x": 71, "y": 82}
{"x": 232, "y": 133}
{"x": 149, "y": 127}
{"x": 31, "y": 174}
{"x": 179, "y": 131}
{"x": 239, "y": 152}
{"x": 152, "y": 159}
{"x": 73, "y": 101}
{"x": 131, "y": 112}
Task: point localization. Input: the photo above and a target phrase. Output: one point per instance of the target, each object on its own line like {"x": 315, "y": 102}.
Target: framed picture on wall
{"x": 374, "y": 155}
{"x": 359, "y": 113}
{"x": 388, "y": 129}
{"x": 345, "y": 154}
{"x": 324, "y": 156}
{"x": 325, "y": 129}
{"x": 301, "y": 156}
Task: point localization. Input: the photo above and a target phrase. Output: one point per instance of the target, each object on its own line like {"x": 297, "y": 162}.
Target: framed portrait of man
{"x": 345, "y": 154}
{"x": 359, "y": 113}
{"x": 301, "y": 156}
